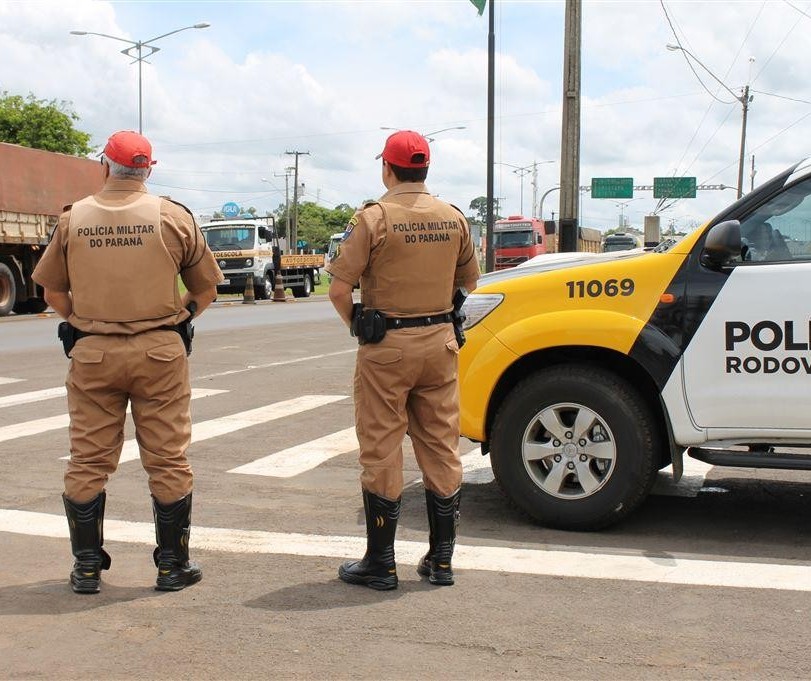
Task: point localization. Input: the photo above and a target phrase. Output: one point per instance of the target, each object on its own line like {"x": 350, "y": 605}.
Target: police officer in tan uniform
{"x": 111, "y": 271}
{"x": 410, "y": 252}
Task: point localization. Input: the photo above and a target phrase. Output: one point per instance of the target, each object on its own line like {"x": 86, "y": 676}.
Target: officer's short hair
{"x": 409, "y": 174}
{"x": 125, "y": 172}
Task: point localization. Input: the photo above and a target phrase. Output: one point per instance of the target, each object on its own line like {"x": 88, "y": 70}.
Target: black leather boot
{"x": 376, "y": 569}
{"x": 86, "y": 522}
{"x": 172, "y": 529}
{"x": 443, "y": 519}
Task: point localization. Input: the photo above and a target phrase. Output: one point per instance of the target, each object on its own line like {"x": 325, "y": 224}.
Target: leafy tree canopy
{"x": 479, "y": 206}
{"x": 316, "y": 224}
{"x": 41, "y": 124}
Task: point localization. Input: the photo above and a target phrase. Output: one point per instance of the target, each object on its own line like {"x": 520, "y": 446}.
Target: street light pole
{"x": 744, "y": 99}
{"x": 523, "y": 171}
{"x": 137, "y": 46}
{"x": 427, "y": 135}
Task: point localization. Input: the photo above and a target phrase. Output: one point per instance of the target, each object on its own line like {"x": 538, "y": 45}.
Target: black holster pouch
{"x": 458, "y": 317}
{"x": 68, "y": 334}
{"x": 186, "y": 328}
{"x": 368, "y": 326}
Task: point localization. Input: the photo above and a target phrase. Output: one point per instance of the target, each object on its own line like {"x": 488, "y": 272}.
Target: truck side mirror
{"x": 263, "y": 232}
{"x": 538, "y": 239}
{"x": 722, "y": 243}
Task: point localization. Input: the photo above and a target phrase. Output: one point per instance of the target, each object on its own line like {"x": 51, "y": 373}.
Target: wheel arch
{"x": 606, "y": 359}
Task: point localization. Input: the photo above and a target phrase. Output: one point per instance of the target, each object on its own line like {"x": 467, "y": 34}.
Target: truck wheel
{"x": 8, "y": 290}
{"x": 264, "y": 290}
{"x": 306, "y": 289}
{"x": 575, "y": 447}
{"x": 31, "y": 306}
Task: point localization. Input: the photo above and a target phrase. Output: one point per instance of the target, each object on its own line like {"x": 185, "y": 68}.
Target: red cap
{"x": 407, "y": 149}
{"x": 129, "y": 149}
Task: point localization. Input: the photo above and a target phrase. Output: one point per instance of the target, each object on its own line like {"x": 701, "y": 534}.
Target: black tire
{"x": 31, "y": 306}
{"x": 306, "y": 290}
{"x": 8, "y": 290}
{"x": 599, "y": 464}
{"x": 264, "y": 290}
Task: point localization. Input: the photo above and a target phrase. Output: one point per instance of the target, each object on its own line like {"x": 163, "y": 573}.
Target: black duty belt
{"x": 410, "y": 322}
{"x": 83, "y": 334}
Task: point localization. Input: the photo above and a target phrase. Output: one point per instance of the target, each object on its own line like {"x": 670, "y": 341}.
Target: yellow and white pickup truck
{"x": 244, "y": 248}
{"x": 585, "y": 375}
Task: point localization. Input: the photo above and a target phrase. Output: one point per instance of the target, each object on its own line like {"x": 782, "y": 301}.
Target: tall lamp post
{"x": 135, "y": 51}
{"x": 744, "y": 99}
{"x": 427, "y": 135}
{"x": 523, "y": 171}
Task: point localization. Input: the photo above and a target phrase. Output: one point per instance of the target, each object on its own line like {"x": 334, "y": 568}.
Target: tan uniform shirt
{"x": 409, "y": 251}
{"x": 127, "y": 246}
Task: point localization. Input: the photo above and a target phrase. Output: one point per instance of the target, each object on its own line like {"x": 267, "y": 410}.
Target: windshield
{"x": 619, "y": 244}
{"x": 229, "y": 238}
{"x": 512, "y": 239}
{"x": 333, "y": 247}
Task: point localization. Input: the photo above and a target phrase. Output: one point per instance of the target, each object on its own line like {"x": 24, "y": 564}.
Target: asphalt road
{"x": 711, "y": 578}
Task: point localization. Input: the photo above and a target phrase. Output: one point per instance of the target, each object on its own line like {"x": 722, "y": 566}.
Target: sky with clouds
{"x": 223, "y": 105}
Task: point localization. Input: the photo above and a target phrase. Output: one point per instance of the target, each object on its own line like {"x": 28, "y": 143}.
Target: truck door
{"x": 748, "y": 365}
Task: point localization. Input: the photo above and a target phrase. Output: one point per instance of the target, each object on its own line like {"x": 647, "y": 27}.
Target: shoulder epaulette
{"x": 457, "y": 209}
{"x": 177, "y": 203}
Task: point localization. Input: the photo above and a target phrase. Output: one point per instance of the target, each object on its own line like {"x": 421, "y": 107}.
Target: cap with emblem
{"x": 129, "y": 149}
{"x": 406, "y": 149}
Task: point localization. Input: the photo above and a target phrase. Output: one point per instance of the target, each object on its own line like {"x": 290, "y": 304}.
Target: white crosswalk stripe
{"x": 558, "y": 561}
{"x": 43, "y": 425}
{"x": 307, "y": 455}
{"x": 212, "y": 428}
{"x": 301, "y": 458}
{"x": 29, "y": 397}
{"x": 4, "y": 380}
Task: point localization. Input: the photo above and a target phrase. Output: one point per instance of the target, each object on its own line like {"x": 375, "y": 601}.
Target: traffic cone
{"x": 248, "y": 297}
{"x": 278, "y": 290}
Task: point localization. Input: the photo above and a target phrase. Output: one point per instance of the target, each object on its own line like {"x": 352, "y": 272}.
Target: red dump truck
{"x": 35, "y": 186}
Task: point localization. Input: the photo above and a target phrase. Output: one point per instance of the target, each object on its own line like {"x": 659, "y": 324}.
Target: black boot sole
{"x": 85, "y": 586}
{"x": 178, "y": 580}
{"x": 372, "y": 581}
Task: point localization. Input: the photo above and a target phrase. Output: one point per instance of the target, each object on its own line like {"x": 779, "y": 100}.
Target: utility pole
{"x": 752, "y": 174}
{"x": 286, "y": 176}
{"x": 489, "y": 260}
{"x": 570, "y": 135}
{"x": 745, "y": 103}
{"x": 533, "y": 212}
{"x": 293, "y": 236}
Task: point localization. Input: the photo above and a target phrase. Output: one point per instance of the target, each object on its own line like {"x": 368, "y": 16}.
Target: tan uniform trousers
{"x": 409, "y": 382}
{"x": 150, "y": 371}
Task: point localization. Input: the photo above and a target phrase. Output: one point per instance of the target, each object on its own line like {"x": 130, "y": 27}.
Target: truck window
{"x": 619, "y": 242}
{"x": 230, "y": 238}
{"x": 513, "y": 239}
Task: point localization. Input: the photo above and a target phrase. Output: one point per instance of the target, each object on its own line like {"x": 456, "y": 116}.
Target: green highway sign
{"x": 612, "y": 187}
{"x": 674, "y": 187}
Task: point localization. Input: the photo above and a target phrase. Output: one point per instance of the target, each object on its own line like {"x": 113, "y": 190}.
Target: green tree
{"x": 41, "y": 124}
{"x": 479, "y": 206}
{"x": 316, "y": 224}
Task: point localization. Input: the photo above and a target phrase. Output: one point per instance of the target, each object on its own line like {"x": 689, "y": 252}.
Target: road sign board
{"x": 612, "y": 187}
{"x": 674, "y": 187}
{"x": 230, "y": 209}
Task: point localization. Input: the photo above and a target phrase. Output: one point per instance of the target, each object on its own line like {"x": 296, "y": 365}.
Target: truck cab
{"x": 248, "y": 248}
{"x": 516, "y": 239}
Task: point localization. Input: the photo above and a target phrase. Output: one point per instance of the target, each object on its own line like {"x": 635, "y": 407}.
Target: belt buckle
{"x": 428, "y": 321}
